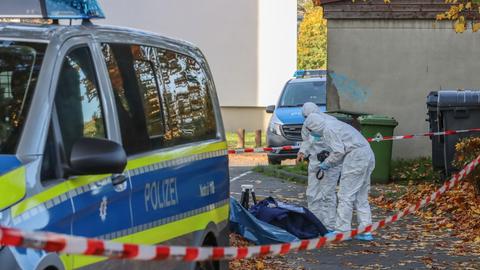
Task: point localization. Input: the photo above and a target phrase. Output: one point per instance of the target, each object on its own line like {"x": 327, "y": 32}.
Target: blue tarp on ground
{"x": 255, "y": 230}
{"x": 295, "y": 219}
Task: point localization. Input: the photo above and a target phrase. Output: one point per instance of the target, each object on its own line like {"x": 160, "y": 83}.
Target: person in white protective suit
{"x": 352, "y": 150}
{"x": 321, "y": 194}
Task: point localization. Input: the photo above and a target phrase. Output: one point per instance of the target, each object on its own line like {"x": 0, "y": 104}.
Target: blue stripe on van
{"x": 8, "y": 163}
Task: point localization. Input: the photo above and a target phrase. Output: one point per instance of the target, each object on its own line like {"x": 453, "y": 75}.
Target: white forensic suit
{"x": 353, "y": 151}
{"x": 321, "y": 194}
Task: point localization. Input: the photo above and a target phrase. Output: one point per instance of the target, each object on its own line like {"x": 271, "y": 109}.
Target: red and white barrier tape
{"x": 262, "y": 149}
{"x": 83, "y": 246}
{"x": 428, "y": 134}
{"x": 378, "y": 138}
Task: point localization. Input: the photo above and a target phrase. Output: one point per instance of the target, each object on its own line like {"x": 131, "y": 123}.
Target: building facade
{"x": 385, "y": 59}
{"x": 250, "y": 46}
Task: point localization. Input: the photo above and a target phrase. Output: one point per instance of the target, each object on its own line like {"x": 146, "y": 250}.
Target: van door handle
{"x": 118, "y": 179}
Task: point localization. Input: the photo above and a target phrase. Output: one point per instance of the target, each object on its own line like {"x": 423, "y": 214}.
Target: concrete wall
{"x": 250, "y": 44}
{"x": 389, "y": 67}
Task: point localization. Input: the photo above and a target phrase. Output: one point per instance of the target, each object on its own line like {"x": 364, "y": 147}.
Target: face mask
{"x": 314, "y": 137}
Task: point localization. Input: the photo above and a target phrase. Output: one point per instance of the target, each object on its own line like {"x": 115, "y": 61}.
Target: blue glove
{"x": 324, "y": 166}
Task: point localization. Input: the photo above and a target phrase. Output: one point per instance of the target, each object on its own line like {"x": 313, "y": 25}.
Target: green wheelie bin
{"x": 379, "y": 126}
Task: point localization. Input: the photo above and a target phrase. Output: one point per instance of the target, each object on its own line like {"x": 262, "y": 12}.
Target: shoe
{"x": 364, "y": 237}
{"x": 334, "y": 233}
{"x": 330, "y": 234}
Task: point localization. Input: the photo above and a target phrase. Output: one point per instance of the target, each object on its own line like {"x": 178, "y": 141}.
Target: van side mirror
{"x": 92, "y": 156}
{"x": 270, "y": 109}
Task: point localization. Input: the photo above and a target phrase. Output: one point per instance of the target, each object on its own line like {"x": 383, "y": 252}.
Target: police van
{"x": 286, "y": 123}
{"x": 108, "y": 133}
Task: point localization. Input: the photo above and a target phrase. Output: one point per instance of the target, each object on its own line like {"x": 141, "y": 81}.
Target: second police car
{"x": 286, "y": 122}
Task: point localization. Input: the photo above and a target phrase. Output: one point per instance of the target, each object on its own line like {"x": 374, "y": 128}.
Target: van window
{"x": 20, "y": 64}
{"x": 298, "y": 93}
{"x": 50, "y": 160}
{"x": 77, "y": 99}
{"x": 135, "y": 87}
{"x": 162, "y": 97}
{"x": 148, "y": 88}
{"x": 188, "y": 106}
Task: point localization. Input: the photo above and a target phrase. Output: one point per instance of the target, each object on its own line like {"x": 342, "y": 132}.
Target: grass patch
{"x": 405, "y": 171}
{"x": 300, "y": 168}
{"x": 293, "y": 173}
{"x": 232, "y": 139}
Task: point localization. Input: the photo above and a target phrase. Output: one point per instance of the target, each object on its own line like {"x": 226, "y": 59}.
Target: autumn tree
{"x": 462, "y": 13}
{"x": 312, "y": 39}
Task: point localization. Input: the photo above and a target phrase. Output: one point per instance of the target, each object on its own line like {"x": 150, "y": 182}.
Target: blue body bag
{"x": 297, "y": 220}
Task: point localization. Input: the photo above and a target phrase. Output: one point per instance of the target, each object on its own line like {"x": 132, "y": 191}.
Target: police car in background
{"x": 108, "y": 133}
{"x": 286, "y": 122}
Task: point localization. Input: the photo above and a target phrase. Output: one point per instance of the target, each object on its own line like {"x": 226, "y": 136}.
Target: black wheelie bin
{"x": 451, "y": 110}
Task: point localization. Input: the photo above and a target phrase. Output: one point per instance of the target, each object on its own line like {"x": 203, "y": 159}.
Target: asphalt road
{"x": 403, "y": 245}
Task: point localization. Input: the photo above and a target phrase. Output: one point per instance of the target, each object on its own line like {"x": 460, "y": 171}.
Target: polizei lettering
{"x": 161, "y": 194}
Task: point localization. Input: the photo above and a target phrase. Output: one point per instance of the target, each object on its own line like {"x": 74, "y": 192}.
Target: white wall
{"x": 225, "y": 30}
{"x": 277, "y": 47}
{"x": 389, "y": 67}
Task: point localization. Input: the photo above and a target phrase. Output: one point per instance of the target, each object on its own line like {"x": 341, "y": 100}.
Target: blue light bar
{"x": 73, "y": 9}
{"x": 313, "y": 73}
{"x": 51, "y": 9}
{"x": 299, "y": 73}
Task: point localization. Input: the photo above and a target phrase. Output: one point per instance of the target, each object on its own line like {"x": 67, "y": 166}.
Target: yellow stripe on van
{"x": 74, "y": 183}
{"x": 174, "y": 154}
{"x": 159, "y": 234}
{"x": 13, "y": 187}
{"x": 53, "y": 192}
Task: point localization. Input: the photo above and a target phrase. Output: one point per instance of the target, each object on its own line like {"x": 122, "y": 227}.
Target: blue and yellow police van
{"x": 107, "y": 133}
{"x": 286, "y": 123}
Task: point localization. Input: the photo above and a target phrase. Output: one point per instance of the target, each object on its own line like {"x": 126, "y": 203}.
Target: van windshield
{"x": 297, "y": 93}
{"x": 20, "y": 64}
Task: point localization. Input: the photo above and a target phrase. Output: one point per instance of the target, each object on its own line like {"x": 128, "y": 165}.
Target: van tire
{"x": 274, "y": 161}
{"x": 210, "y": 241}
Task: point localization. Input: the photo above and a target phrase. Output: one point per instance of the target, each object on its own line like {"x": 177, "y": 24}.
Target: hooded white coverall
{"x": 321, "y": 194}
{"x": 353, "y": 151}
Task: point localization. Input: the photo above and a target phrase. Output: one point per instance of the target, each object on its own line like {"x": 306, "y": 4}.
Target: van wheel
{"x": 274, "y": 161}
{"x": 207, "y": 265}
{"x": 209, "y": 241}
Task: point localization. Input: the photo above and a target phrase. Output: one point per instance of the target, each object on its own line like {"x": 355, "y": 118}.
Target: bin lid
{"x": 454, "y": 98}
{"x": 341, "y": 116}
{"x": 349, "y": 113}
{"x": 377, "y": 120}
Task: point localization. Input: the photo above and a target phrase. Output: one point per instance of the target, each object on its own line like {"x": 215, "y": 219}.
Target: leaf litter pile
{"x": 267, "y": 262}
{"x": 457, "y": 210}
